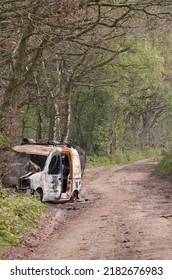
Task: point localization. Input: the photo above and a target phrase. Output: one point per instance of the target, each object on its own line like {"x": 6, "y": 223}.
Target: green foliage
{"x": 107, "y": 119}
{"x": 144, "y": 74}
{"x": 165, "y": 165}
{"x": 90, "y": 127}
{"x": 120, "y": 130}
{"x": 29, "y": 122}
{"x": 146, "y": 153}
{"x": 17, "y": 213}
{"x": 169, "y": 104}
{"x": 4, "y": 141}
{"x": 121, "y": 157}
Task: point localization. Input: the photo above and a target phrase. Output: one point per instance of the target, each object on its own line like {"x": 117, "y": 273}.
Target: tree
{"x": 39, "y": 24}
{"x": 126, "y": 114}
{"x": 60, "y": 48}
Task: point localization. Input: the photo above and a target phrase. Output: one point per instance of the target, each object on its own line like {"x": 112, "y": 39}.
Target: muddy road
{"x": 125, "y": 212}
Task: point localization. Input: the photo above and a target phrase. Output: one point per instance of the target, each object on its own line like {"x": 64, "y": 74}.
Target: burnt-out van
{"x": 50, "y": 170}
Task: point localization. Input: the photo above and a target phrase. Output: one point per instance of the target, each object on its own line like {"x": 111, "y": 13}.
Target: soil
{"x": 125, "y": 212}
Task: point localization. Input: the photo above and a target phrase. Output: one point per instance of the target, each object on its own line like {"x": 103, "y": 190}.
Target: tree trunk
{"x": 67, "y": 119}
{"x": 39, "y": 113}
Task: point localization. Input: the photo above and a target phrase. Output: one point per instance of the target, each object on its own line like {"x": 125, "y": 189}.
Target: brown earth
{"x": 125, "y": 212}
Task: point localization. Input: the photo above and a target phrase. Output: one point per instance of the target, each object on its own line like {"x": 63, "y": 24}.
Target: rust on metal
{"x": 52, "y": 171}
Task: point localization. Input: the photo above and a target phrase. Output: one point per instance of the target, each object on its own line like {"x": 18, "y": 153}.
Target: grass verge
{"x": 18, "y": 212}
{"x": 165, "y": 165}
{"x": 122, "y": 157}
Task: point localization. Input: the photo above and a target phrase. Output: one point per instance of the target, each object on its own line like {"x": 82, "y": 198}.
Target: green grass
{"x": 18, "y": 212}
{"x": 121, "y": 157}
{"x": 4, "y": 141}
{"x": 165, "y": 165}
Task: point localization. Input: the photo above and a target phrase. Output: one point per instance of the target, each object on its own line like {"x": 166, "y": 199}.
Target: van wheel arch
{"x": 38, "y": 193}
{"x": 74, "y": 197}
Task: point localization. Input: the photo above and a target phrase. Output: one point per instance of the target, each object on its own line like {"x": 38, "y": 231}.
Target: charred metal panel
{"x": 24, "y": 183}
{"x": 36, "y": 180}
{"x": 50, "y": 184}
{"x": 17, "y": 165}
{"x": 55, "y": 170}
{"x": 33, "y": 149}
{"x": 52, "y": 187}
{"x": 82, "y": 156}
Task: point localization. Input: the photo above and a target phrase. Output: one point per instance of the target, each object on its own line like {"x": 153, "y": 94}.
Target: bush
{"x": 165, "y": 166}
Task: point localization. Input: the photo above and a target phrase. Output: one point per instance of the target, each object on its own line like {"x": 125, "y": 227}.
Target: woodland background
{"x": 94, "y": 73}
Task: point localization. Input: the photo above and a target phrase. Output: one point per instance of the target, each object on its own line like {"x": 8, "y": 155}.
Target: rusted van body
{"x": 52, "y": 172}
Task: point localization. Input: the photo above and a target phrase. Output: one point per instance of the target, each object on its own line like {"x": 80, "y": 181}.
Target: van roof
{"x": 41, "y": 149}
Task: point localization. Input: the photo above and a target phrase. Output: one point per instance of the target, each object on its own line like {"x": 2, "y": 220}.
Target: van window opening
{"x": 38, "y": 160}
{"x": 54, "y": 167}
{"x": 66, "y": 171}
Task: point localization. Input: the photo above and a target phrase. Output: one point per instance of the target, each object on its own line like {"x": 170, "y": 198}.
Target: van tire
{"x": 74, "y": 197}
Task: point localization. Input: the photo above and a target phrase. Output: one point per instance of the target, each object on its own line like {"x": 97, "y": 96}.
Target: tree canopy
{"x": 94, "y": 72}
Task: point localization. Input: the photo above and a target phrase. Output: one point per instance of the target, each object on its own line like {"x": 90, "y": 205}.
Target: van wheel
{"x": 74, "y": 197}
{"x": 38, "y": 194}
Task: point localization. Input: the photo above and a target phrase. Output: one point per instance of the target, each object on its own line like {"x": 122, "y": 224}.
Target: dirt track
{"x": 125, "y": 212}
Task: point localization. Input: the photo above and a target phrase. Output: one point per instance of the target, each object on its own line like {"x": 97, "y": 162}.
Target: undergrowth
{"x": 4, "y": 141}
{"x": 121, "y": 157}
{"x": 17, "y": 213}
{"x": 165, "y": 165}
